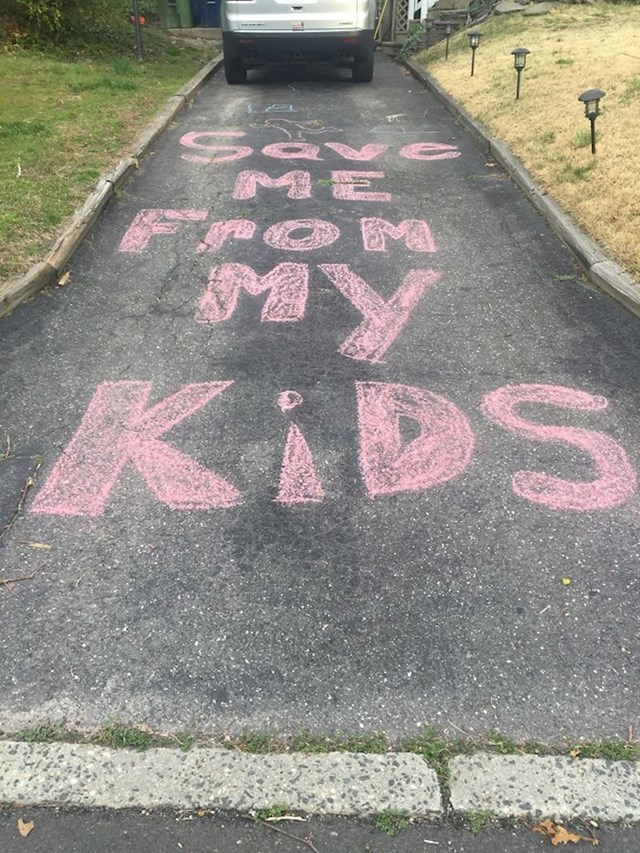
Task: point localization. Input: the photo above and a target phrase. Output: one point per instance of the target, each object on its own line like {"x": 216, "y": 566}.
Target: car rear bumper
{"x": 261, "y": 48}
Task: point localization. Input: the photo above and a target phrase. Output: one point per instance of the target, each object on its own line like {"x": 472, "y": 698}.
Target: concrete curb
{"x": 216, "y": 778}
{"x": 520, "y": 786}
{"x": 47, "y": 272}
{"x": 601, "y": 270}
{"x": 554, "y": 787}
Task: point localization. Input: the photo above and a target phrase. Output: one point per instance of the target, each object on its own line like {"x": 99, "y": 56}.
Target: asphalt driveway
{"x": 326, "y": 433}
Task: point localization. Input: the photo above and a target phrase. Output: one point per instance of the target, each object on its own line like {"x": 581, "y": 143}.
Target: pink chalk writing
{"x": 299, "y": 184}
{"x": 410, "y": 439}
{"x": 220, "y": 232}
{"x": 288, "y": 286}
{"x": 289, "y": 400}
{"x": 116, "y": 430}
{"x": 351, "y": 186}
{"x": 383, "y": 321}
{"x": 215, "y": 152}
{"x": 442, "y": 450}
{"x": 292, "y": 151}
{"x": 415, "y": 233}
{"x": 322, "y": 234}
{"x": 367, "y": 152}
{"x": 299, "y": 481}
{"x": 155, "y": 221}
{"x": 429, "y": 151}
{"x": 616, "y": 480}
{"x": 207, "y": 141}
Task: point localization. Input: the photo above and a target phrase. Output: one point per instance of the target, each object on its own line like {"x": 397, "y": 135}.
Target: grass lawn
{"x": 573, "y": 48}
{"x": 63, "y": 121}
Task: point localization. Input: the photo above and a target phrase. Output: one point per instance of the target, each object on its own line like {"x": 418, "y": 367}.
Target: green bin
{"x": 184, "y": 12}
{"x": 168, "y": 14}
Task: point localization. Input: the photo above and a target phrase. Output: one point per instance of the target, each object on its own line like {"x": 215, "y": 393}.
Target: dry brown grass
{"x": 573, "y": 48}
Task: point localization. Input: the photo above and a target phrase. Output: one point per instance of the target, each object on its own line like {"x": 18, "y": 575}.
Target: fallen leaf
{"x": 545, "y": 827}
{"x": 566, "y": 581}
{"x": 559, "y": 835}
{"x": 64, "y": 279}
{"x": 143, "y": 727}
{"x": 42, "y": 545}
{"x": 565, "y": 837}
{"x": 25, "y": 827}
{"x": 575, "y": 752}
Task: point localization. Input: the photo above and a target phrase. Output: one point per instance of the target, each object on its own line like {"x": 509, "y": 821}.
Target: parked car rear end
{"x": 259, "y": 32}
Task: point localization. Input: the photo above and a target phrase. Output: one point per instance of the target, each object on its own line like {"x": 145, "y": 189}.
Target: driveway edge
{"x": 360, "y": 784}
{"x": 604, "y": 273}
{"x": 48, "y": 271}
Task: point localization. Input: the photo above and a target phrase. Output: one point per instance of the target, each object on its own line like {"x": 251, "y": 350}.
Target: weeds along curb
{"x": 604, "y": 273}
{"x": 48, "y": 271}
{"x": 364, "y": 774}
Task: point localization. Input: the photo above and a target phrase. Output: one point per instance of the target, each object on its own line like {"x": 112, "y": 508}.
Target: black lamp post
{"x": 591, "y": 101}
{"x": 474, "y": 41}
{"x": 448, "y": 30}
{"x": 519, "y": 61}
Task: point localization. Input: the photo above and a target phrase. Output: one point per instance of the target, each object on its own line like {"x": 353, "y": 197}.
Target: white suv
{"x": 257, "y": 32}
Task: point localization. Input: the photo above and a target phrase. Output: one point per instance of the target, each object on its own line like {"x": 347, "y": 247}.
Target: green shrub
{"x": 64, "y": 21}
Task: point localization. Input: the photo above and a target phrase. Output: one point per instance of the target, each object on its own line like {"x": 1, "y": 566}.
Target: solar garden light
{"x": 448, "y": 29}
{"x": 591, "y": 101}
{"x": 474, "y": 41}
{"x": 519, "y": 61}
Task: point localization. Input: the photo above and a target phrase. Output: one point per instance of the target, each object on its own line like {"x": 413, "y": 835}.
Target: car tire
{"x": 235, "y": 71}
{"x": 362, "y": 71}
